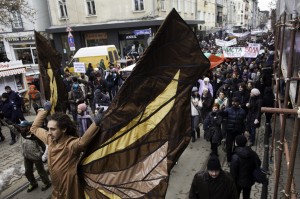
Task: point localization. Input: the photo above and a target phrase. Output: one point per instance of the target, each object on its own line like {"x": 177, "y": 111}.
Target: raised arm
{"x": 36, "y": 126}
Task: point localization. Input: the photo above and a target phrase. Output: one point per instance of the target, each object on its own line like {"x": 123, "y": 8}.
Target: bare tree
{"x": 9, "y": 9}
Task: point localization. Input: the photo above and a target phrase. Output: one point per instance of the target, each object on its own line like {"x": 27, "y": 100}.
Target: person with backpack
{"x": 32, "y": 152}
{"x": 243, "y": 163}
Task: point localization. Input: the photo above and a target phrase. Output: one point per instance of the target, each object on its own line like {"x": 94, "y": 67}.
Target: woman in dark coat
{"x": 243, "y": 95}
{"x": 254, "y": 113}
{"x": 207, "y": 101}
{"x": 212, "y": 129}
{"x": 268, "y": 101}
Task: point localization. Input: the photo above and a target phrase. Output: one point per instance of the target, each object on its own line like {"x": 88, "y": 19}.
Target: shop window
{"x": 138, "y": 5}
{"x": 116, "y": 55}
{"x": 25, "y": 52}
{"x": 63, "y": 8}
{"x": 91, "y": 9}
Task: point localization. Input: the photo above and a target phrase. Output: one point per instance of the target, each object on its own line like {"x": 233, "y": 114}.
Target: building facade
{"x": 126, "y": 24}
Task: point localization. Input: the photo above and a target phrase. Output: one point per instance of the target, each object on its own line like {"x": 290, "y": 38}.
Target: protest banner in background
{"x": 223, "y": 43}
{"x": 234, "y": 51}
{"x": 79, "y": 67}
{"x": 251, "y": 51}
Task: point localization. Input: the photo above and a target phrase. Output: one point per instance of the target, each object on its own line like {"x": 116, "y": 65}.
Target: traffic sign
{"x": 71, "y": 42}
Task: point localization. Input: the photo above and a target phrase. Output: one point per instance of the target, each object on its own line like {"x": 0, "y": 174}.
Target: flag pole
{"x": 42, "y": 87}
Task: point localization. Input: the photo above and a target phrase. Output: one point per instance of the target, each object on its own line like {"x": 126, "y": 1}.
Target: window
{"x": 17, "y": 20}
{"x": 91, "y": 10}
{"x": 63, "y": 9}
{"x": 179, "y": 2}
{"x": 199, "y": 15}
{"x": 208, "y": 17}
{"x": 185, "y": 6}
{"x": 26, "y": 53}
{"x": 138, "y": 5}
{"x": 163, "y": 5}
{"x": 192, "y": 6}
{"x": 204, "y": 16}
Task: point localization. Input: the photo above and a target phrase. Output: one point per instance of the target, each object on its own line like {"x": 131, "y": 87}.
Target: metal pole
{"x": 277, "y": 168}
{"x": 264, "y": 191}
{"x": 296, "y": 125}
{"x": 279, "y": 110}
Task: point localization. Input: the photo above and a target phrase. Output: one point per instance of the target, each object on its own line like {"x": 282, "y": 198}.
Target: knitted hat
{"x": 241, "y": 140}
{"x": 82, "y": 107}
{"x": 194, "y": 89}
{"x": 255, "y": 92}
{"x": 5, "y": 95}
{"x": 213, "y": 164}
{"x": 236, "y": 99}
{"x": 206, "y": 79}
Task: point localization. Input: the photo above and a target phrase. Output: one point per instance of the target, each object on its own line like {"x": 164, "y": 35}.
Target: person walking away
{"x": 213, "y": 183}
{"x": 32, "y": 153}
{"x": 84, "y": 120}
{"x": 243, "y": 163}
{"x": 34, "y": 98}
{"x": 196, "y": 105}
{"x": 18, "y": 101}
{"x": 212, "y": 129}
{"x": 235, "y": 124}
{"x": 9, "y": 111}
{"x": 65, "y": 149}
{"x": 254, "y": 113}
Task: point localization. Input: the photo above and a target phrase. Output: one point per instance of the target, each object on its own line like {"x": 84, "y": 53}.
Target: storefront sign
{"x": 79, "y": 67}
{"x": 142, "y": 32}
{"x": 130, "y": 37}
{"x": 96, "y": 36}
{"x": 71, "y": 42}
{"x": 19, "y": 39}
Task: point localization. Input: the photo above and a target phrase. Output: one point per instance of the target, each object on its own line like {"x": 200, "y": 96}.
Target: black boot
{"x": 198, "y": 132}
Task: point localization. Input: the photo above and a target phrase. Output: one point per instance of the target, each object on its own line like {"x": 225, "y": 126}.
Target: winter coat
{"x": 254, "y": 112}
{"x": 207, "y": 102}
{"x": 14, "y": 97}
{"x": 31, "y": 149}
{"x": 235, "y": 118}
{"x": 206, "y": 187}
{"x": 243, "y": 96}
{"x": 75, "y": 98}
{"x": 243, "y": 163}
{"x": 212, "y": 127}
{"x": 63, "y": 158}
{"x": 196, "y": 105}
{"x": 83, "y": 123}
{"x": 9, "y": 110}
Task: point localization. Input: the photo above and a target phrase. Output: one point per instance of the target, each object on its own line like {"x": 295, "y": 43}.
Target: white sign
{"x": 250, "y": 52}
{"x": 79, "y": 67}
{"x": 223, "y": 43}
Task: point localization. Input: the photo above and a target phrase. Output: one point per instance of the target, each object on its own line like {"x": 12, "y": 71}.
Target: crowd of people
{"x": 226, "y": 100}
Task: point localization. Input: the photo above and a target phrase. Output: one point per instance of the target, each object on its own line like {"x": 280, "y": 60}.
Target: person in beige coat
{"x": 64, "y": 149}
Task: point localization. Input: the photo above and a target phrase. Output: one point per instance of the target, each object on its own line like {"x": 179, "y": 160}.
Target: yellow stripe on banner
{"x": 141, "y": 129}
{"x": 53, "y": 88}
{"x": 110, "y": 196}
{"x": 86, "y": 195}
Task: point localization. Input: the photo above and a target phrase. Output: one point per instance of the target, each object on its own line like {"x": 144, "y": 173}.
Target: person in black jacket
{"x": 235, "y": 124}
{"x": 243, "y": 95}
{"x": 254, "y": 113}
{"x": 18, "y": 101}
{"x": 212, "y": 129}
{"x": 243, "y": 163}
{"x": 9, "y": 111}
{"x": 214, "y": 183}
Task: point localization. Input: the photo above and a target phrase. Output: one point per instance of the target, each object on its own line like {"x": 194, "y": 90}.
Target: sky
{"x": 264, "y": 4}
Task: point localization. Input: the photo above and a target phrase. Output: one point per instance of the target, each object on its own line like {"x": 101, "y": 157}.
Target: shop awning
{"x": 13, "y": 71}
